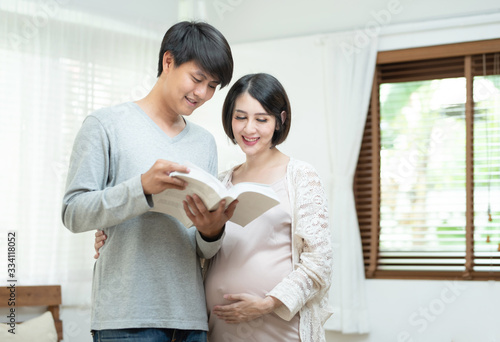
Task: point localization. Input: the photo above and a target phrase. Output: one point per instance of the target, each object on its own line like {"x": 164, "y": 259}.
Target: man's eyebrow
{"x": 202, "y": 74}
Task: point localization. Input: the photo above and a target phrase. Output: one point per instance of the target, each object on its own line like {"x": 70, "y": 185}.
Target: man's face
{"x": 187, "y": 87}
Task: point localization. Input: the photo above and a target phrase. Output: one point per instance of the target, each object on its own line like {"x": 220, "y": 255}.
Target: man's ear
{"x": 168, "y": 61}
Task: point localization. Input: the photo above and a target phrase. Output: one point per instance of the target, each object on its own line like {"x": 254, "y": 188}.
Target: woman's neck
{"x": 264, "y": 168}
{"x": 263, "y": 160}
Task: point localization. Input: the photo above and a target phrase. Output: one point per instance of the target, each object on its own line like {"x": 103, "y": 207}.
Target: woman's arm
{"x": 245, "y": 307}
{"x": 312, "y": 239}
{"x": 100, "y": 237}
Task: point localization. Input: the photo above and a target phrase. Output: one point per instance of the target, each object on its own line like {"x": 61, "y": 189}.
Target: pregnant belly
{"x": 256, "y": 274}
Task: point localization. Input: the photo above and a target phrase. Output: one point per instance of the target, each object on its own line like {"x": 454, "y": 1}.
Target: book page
{"x": 253, "y": 200}
{"x": 197, "y": 173}
{"x": 203, "y": 184}
{"x": 170, "y": 203}
{"x": 207, "y": 187}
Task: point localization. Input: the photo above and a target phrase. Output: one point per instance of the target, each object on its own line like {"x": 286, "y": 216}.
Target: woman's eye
{"x": 240, "y": 117}
{"x": 196, "y": 80}
{"x": 262, "y": 120}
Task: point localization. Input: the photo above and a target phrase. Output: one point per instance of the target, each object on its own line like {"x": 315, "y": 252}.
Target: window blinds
{"x": 429, "y": 167}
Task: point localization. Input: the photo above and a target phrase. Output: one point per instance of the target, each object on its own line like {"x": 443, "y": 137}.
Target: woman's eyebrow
{"x": 243, "y": 112}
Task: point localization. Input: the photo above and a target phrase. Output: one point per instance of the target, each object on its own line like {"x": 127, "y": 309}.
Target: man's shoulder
{"x": 110, "y": 114}
{"x": 199, "y": 130}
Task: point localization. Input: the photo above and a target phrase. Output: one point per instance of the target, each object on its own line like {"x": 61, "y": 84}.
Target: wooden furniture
{"x": 49, "y": 296}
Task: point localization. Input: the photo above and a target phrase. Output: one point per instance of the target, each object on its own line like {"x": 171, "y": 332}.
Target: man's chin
{"x": 188, "y": 112}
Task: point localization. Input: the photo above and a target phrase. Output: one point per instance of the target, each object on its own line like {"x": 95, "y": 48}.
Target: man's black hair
{"x": 202, "y": 43}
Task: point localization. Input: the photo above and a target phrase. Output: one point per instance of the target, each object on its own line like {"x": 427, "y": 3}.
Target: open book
{"x": 253, "y": 199}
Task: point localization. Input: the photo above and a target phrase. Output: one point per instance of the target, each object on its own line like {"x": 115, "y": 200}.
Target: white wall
{"x": 430, "y": 311}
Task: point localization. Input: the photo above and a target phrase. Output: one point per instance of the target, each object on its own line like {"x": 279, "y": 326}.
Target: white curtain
{"x": 56, "y": 66}
{"x": 349, "y": 64}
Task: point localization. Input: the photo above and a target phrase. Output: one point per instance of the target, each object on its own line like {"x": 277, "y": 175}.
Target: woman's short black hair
{"x": 271, "y": 95}
{"x": 202, "y": 43}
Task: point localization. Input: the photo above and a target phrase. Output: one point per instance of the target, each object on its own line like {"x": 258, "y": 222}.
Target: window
{"x": 427, "y": 184}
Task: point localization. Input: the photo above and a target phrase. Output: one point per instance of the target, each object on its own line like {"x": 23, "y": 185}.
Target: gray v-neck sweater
{"x": 148, "y": 273}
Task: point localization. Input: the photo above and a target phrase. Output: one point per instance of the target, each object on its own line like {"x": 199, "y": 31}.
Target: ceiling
{"x": 251, "y": 20}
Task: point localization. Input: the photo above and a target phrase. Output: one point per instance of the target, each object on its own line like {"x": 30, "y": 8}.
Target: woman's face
{"x": 253, "y": 127}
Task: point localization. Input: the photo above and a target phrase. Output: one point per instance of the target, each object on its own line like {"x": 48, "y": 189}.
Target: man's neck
{"x": 169, "y": 122}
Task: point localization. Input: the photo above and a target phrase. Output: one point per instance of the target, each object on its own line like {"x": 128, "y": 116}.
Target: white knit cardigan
{"x": 305, "y": 289}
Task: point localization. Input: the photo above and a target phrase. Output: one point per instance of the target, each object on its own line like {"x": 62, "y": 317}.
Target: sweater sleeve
{"x": 312, "y": 239}
{"x": 207, "y": 249}
{"x": 89, "y": 203}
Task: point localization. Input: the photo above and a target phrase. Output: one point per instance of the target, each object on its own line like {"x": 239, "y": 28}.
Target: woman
{"x": 270, "y": 279}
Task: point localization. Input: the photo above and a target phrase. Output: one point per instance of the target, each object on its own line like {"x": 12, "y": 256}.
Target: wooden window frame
{"x": 367, "y": 177}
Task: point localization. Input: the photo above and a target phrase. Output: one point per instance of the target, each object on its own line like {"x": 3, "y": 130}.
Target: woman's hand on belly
{"x": 245, "y": 307}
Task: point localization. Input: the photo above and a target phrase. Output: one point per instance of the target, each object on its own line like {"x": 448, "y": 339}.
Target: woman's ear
{"x": 283, "y": 119}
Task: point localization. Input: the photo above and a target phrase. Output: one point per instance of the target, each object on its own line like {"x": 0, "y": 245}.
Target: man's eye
{"x": 196, "y": 80}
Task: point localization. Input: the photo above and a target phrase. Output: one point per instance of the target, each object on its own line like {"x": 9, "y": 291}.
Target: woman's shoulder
{"x": 222, "y": 175}
{"x": 225, "y": 175}
{"x": 303, "y": 174}
{"x": 296, "y": 165}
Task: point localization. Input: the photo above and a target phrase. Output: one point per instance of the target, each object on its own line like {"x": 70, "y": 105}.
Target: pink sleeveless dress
{"x": 253, "y": 260}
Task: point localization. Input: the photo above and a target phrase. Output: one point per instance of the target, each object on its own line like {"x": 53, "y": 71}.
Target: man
{"x": 147, "y": 283}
